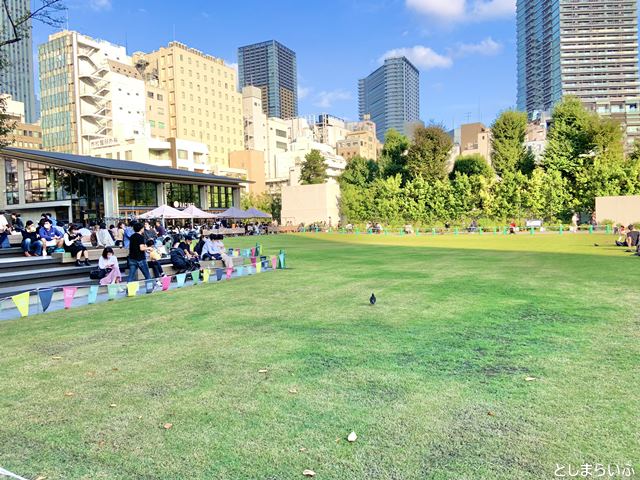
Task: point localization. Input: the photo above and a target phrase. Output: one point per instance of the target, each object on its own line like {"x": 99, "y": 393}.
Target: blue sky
{"x": 464, "y": 49}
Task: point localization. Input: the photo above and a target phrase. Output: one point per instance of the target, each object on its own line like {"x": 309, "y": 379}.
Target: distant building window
{"x": 128, "y": 155}
{"x": 159, "y": 97}
{"x": 152, "y": 123}
{"x": 182, "y": 154}
{"x": 160, "y": 124}
{"x": 281, "y": 133}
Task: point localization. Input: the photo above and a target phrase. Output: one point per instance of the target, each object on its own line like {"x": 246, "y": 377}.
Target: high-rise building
{"x": 204, "y": 104}
{"x": 16, "y": 78}
{"x": 391, "y": 96}
{"x": 271, "y": 67}
{"x": 586, "y": 48}
{"x": 90, "y": 93}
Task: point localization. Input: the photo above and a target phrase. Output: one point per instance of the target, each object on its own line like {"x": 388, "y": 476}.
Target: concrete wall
{"x": 310, "y": 203}
{"x": 621, "y": 209}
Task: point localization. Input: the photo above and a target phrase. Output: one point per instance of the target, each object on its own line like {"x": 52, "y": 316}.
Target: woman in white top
{"x": 104, "y": 237}
{"x": 109, "y": 262}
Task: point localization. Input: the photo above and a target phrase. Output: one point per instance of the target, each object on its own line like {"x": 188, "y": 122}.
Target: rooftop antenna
{"x": 468, "y": 114}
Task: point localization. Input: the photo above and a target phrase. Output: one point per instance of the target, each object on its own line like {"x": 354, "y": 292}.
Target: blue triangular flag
{"x": 149, "y": 285}
{"x": 181, "y": 277}
{"x": 93, "y": 294}
{"x": 219, "y": 274}
{"x": 45, "y": 298}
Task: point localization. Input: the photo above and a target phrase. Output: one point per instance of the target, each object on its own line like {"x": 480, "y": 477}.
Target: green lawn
{"x": 432, "y": 379}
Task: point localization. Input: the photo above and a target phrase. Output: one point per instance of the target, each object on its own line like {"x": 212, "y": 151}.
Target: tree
{"x": 429, "y": 153}
{"x": 393, "y": 158}
{"x": 314, "y": 168}
{"x": 474, "y": 164}
{"x": 508, "y": 134}
{"x": 587, "y": 151}
{"x": 49, "y": 13}
{"x": 266, "y": 202}
{"x": 359, "y": 172}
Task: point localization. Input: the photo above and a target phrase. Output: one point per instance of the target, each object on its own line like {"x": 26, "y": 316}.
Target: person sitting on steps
{"x": 73, "y": 245}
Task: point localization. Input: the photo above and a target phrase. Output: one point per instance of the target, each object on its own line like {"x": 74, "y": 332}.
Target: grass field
{"x": 432, "y": 379}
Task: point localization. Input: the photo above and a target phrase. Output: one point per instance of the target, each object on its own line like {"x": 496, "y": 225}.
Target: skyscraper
{"x": 16, "y": 78}
{"x": 586, "y": 48}
{"x": 391, "y": 96}
{"x": 271, "y": 67}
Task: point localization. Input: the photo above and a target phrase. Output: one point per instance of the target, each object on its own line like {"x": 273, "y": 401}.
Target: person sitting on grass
{"x": 109, "y": 262}
{"x": 31, "y": 243}
{"x": 631, "y": 239}
{"x": 73, "y": 245}
{"x": 153, "y": 259}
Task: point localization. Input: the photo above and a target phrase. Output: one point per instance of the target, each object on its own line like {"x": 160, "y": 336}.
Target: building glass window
{"x": 48, "y": 184}
{"x": 220, "y": 197}
{"x": 182, "y": 194}
{"x": 11, "y": 180}
{"x": 137, "y": 194}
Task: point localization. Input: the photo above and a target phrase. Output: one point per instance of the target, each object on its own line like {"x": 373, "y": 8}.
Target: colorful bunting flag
{"x": 195, "y": 276}
{"x": 180, "y": 278}
{"x": 45, "y": 298}
{"x": 67, "y": 294}
{"x": 240, "y": 270}
{"x": 22, "y": 303}
{"x": 219, "y": 273}
{"x": 132, "y": 288}
{"x": 93, "y": 294}
{"x": 253, "y": 261}
{"x": 166, "y": 282}
{"x": 229, "y": 272}
{"x": 112, "y": 290}
{"x": 149, "y": 285}
{"x": 258, "y": 267}
{"x": 274, "y": 262}
{"x": 265, "y": 263}
{"x": 281, "y": 257}
{"x": 253, "y": 252}
{"x": 205, "y": 275}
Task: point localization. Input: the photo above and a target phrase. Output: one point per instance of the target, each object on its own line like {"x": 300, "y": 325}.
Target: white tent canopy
{"x": 164, "y": 211}
{"x": 194, "y": 212}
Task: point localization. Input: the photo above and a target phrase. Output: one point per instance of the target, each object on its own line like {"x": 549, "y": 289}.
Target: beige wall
{"x": 621, "y": 209}
{"x": 253, "y": 162}
{"x": 204, "y": 104}
{"x": 310, "y": 203}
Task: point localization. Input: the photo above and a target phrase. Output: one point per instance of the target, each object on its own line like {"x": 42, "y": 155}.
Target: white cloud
{"x": 100, "y": 4}
{"x": 422, "y": 57}
{"x": 326, "y": 99}
{"x": 486, "y": 47}
{"x": 463, "y": 10}
{"x": 493, "y": 9}
{"x": 303, "y": 92}
{"x": 446, "y": 9}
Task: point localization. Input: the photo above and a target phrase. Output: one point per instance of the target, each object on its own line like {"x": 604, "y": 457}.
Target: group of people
{"x": 44, "y": 237}
{"x": 148, "y": 244}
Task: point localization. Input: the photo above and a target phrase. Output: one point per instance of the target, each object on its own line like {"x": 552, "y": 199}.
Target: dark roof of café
{"x": 112, "y": 167}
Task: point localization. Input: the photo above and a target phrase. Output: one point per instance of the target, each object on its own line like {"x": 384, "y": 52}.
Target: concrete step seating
{"x": 19, "y": 273}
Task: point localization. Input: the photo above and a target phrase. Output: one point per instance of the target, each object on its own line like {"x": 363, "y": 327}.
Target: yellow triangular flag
{"x": 132, "y": 289}
{"x": 205, "y": 275}
{"x": 22, "y": 302}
